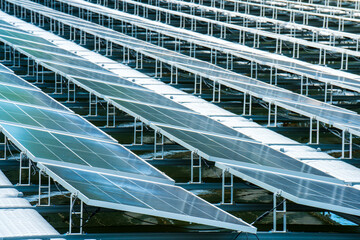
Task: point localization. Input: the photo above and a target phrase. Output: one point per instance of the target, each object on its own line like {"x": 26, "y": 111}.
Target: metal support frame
{"x": 328, "y": 91}
{"x": 344, "y": 61}
{"x": 26, "y": 168}
{"x": 276, "y": 211}
{"x": 172, "y": 74}
{"x": 229, "y": 63}
{"x": 247, "y": 103}
{"x": 139, "y": 60}
{"x": 158, "y": 69}
{"x": 110, "y": 115}
{"x": 346, "y": 140}
{"x": 71, "y": 92}
{"x": 93, "y": 104}
{"x": 316, "y": 130}
{"x": 274, "y": 124}
{"x": 46, "y": 187}
{"x": 58, "y": 84}
{"x": 226, "y": 186}
{"x": 306, "y": 84}
{"x": 273, "y": 76}
{"x": 16, "y": 58}
{"x": 83, "y": 37}
{"x": 108, "y": 48}
{"x": 39, "y": 79}
{"x": 216, "y": 92}
{"x": 7, "y": 52}
{"x": 5, "y": 143}
{"x": 156, "y": 145}
{"x": 138, "y": 130}
{"x": 30, "y": 66}
{"x": 198, "y": 84}
{"x": 213, "y": 56}
{"x": 126, "y": 55}
{"x": 97, "y": 43}
{"x": 73, "y": 198}
{"x": 193, "y": 167}
{"x": 253, "y": 69}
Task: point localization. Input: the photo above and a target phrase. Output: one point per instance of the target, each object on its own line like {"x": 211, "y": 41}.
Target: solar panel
{"x": 28, "y": 96}
{"x": 128, "y": 194}
{"x": 192, "y": 123}
{"x": 184, "y": 119}
{"x": 204, "y": 136}
{"x": 32, "y": 116}
{"x": 306, "y": 191}
{"x": 239, "y": 151}
{"x": 45, "y": 145}
{"x": 9, "y": 78}
{"x": 127, "y": 92}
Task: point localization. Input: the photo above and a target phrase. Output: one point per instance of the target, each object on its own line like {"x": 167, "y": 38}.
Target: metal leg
{"x": 73, "y": 199}
{"x": 4, "y": 149}
{"x": 174, "y": 74}
{"x": 29, "y": 66}
{"x": 328, "y": 92}
{"x": 346, "y": 145}
{"x": 247, "y": 103}
{"x": 272, "y": 114}
{"x": 26, "y": 169}
{"x": 316, "y": 130}
{"x": 41, "y": 187}
{"x": 216, "y": 92}
{"x": 93, "y": 105}
{"x": 71, "y": 92}
{"x": 156, "y": 144}
{"x": 109, "y": 48}
{"x": 7, "y": 52}
{"x": 110, "y": 115}
{"x": 58, "y": 84}
{"x": 275, "y": 212}
{"x": 226, "y": 186}
{"x": 193, "y": 167}
{"x": 138, "y": 130}
{"x": 197, "y": 85}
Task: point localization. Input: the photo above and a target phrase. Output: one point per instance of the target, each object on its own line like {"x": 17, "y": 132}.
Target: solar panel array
{"x": 327, "y": 113}
{"x": 50, "y": 142}
{"x": 64, "y": 143}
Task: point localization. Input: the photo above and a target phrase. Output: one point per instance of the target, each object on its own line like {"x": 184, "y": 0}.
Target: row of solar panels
{"x": 338, "y": 117}
{"x": 91, "y": 164}
{"x": 201, "y": 9}
{"x": 324, "y": 74}
{"x": 219, "y": 147}
{"x": 165, "y": 118}
{"x": 215, "y": 140}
